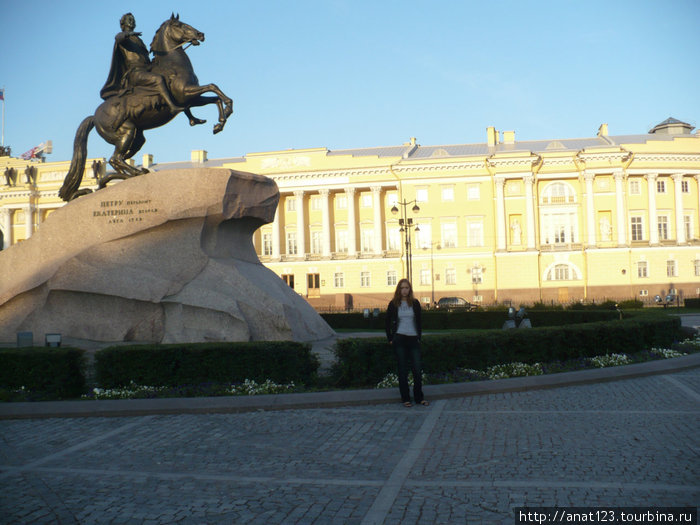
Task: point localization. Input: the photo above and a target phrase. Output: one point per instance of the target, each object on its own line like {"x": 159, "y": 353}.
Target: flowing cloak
{"x": 118, "y": 69}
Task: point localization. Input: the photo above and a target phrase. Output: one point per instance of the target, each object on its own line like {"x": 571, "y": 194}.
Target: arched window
{"x": 559, "y": 222}
{"x": 558, "y": 193}
{"x": 562, "y": 272}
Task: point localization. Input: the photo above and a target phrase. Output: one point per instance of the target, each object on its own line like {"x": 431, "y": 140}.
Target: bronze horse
{"x": 121, "y": 120}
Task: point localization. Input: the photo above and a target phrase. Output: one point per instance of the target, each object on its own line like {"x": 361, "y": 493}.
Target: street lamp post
{"x": 406, "y": 223}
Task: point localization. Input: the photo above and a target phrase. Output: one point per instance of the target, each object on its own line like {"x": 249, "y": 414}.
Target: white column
{"x": 28, "y": 220}
{"x": 378, "y": 226}
{"x": 301, "y": 227}
{"x": 697, "y": 180}
{"x": 678, "y": 195}
{"x": 529, "y": 211}
{"x": 500, "y": 214}
{"x": 6, "y": 218}
{"x": 325, "y": 222}
{"x": 620, "y": 204}
{"x": 651, "y": 192}
{"x": 352, "y": 223}
{"x": 276, "y": 234}
{"x": 590, "y": 208}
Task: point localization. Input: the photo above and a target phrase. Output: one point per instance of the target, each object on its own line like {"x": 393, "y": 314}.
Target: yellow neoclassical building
{"x": 604, "y": 217}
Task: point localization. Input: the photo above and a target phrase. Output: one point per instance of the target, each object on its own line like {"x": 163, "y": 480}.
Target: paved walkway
{"x": 626, "y": 436}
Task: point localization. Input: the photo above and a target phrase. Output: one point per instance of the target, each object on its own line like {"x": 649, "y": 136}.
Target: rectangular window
{"x": 365, "y": 281}
{"x": 267, "y": 243}
{"x": 477, "y": 275}
{"x": 425, "y": 276}
{"x": 663, "y": 227}
{"x": 289, "y": 279}
{"x": 637, "y": 228}
{"x": 423, "y": 237}
{"x": 313, "y": 284}
{"x": 338, "y": 280}
{"x": 341, "y": 241}
{"x": 291, "y": 243}
{"x": 422, "y": 194}
{"x": 393, "y": 239}
{"x": 660, "y": 186}
{"x": 341, "y": 201}
{"x": 391, "y": 278}
{"x": 392, "y": 199}
{"x": 688, "y": 225}
{"x": 671, "y": 269}
{"x": 643, "y": 293}
{"x": 448, "y": 193}
{"x": 473, "y": 192}
{"x": 685, "y": 186}
{"x": 366, "y": 200}
{"x": 450, "y": 276}
{"x": 635, "y": 187}
{"x": 449, "y": 235}
{"x": 642, "y": 269}
{"x": 696, "y": 263}
{"x": 315, "y": 203}
{"x": 475, "y": 232}
{"x": 291, "y": 203}
{"x": 366, "y": 240}
{"x": 316, "y": 242}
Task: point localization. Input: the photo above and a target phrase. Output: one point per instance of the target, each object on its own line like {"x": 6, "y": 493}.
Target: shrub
{"x": 182, "y": 364}
{"x": 630, "y": 304}
{"x": 43, "y": 373}
{"x": 364, "y": 362}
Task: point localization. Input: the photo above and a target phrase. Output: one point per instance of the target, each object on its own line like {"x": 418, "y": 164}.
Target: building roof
{"x": 415, "y": 151}
{"x": 671, "y": 122}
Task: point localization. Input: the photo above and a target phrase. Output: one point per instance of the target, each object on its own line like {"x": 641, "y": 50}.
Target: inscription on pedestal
{"x": 120, "y": 211}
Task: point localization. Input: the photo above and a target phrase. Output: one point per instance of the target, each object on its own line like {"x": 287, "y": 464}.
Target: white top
{"x": 406, "y": 326}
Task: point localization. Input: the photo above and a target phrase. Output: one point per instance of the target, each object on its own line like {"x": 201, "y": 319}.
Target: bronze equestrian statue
{"x": 139, "y": 95}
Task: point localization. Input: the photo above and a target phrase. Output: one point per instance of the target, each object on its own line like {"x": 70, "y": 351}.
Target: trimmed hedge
{"x": 197, "y": 363}
{"x": 364, "y": 362}
{"x": 692, "y": 302}
{"x": 54, "y": 373}
{"x": 441, "y": 320}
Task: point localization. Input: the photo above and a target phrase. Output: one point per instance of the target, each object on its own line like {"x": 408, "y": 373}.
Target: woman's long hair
{"x": 397, "y": 293}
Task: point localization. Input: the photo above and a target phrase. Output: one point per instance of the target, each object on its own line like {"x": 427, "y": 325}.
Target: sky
{"x": 363, "y": 73}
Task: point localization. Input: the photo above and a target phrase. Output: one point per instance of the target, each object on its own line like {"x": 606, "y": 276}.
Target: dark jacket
{"x": 392, "y": 319}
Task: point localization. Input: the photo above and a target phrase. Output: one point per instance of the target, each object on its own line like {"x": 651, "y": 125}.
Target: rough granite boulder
{"x": 165, "y": 257}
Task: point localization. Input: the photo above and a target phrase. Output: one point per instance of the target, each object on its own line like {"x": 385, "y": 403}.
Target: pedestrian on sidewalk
{"x": 404, "y": 330}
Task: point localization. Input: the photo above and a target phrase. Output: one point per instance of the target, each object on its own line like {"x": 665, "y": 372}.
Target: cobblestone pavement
{"x": 630, "y": 442}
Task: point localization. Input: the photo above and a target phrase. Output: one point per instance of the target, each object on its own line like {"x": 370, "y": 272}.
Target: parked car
{"x": 454, "y": 303}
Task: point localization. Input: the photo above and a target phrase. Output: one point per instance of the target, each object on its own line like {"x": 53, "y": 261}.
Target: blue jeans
{"x": 408, "y": 354}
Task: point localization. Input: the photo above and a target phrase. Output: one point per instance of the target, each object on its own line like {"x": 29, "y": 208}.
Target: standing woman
{"x": 403, "y": 330}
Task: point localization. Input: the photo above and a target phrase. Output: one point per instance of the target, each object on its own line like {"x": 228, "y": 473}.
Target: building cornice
{"x": 666, "y": 157}
{"x": 612, "y": 157}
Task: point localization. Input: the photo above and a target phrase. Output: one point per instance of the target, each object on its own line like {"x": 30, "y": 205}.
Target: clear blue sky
{"x": 361, "y": 73}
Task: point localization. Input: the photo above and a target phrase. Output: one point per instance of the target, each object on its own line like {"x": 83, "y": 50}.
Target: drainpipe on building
{"x": 487, "y": 165}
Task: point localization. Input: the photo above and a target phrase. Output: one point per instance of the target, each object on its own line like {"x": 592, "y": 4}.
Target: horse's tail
{"x": 77, "y": 165}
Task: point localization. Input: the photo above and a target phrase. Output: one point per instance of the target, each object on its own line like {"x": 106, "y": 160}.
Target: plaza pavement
{"x": 623, "y": 436}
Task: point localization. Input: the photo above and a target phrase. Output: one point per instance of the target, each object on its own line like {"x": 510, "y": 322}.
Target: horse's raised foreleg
{"x": 224, "y": 103}
{"x": 193, "y": 120}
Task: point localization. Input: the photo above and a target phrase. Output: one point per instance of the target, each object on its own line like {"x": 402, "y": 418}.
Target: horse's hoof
{"x": 218, "y": 127}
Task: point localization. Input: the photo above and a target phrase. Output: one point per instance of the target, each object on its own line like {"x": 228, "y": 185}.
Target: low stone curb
{"x": 229, "y": 404}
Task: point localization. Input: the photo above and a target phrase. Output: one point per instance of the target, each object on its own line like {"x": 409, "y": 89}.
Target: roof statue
{"x": 141, "y": 94}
